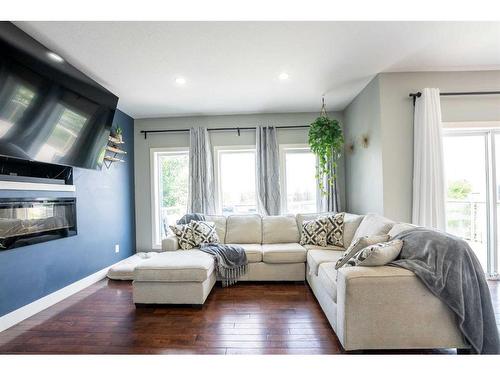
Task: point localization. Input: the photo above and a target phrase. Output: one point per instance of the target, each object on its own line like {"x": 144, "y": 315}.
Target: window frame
{"x": 154, "y": 180}
{"x": 488, "y": 130}
{"x": 283, "y": 149}
{"x": 218, "y": 150}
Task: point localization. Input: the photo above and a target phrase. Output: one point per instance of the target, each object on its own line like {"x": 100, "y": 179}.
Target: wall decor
{"x": 350, "y": 147}
{"x": 365, "y": 140}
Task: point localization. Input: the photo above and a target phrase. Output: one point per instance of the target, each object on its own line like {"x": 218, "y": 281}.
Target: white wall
{"x": 142, "y": 147}
{"x": 395, "y": 132}
{"x": 363, "y": 166}
{"x": 397, "y": 123}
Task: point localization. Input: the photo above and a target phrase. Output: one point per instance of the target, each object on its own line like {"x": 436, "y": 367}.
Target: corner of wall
{"x": 363, "y": 167}
{"x": 396, "y": 113}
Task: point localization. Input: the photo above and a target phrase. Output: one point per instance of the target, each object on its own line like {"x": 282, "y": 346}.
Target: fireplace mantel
{"x": 34, "y": 186}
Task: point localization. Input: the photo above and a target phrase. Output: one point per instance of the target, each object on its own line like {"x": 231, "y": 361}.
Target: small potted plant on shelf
{"x": 118, "y": 134}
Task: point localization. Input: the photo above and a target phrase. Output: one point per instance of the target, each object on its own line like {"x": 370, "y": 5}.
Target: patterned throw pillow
{"x": 184, "y": 234}
{"x": 376, "y": 255}
{"x": 204, "y": 232}
{"x": 359, "y": 244}
{"x": 314, "y": 232}
{"x": 335, "y": 235}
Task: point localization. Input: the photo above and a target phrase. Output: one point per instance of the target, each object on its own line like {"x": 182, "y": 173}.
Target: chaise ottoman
{"x": 174, "y": 277}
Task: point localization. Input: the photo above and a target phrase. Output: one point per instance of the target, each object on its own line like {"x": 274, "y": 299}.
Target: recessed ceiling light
{"x": 180, "y": 81}
{"x": 283, "y": 76}
{"x": 55, "y": 57}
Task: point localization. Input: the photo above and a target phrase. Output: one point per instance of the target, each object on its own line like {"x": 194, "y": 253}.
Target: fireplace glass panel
{"x": 29, "y": 221}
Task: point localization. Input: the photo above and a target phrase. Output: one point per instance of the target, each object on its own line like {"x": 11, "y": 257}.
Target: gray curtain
{"x": 267, "y": 171}
{"x": 201, "y": 173}
{"x": 330, "y": 201}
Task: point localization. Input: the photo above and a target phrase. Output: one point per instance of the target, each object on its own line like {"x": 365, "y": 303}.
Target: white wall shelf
{"x": 16, "y": 185}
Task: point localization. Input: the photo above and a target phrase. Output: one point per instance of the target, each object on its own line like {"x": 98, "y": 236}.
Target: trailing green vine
{"x": 326, "y": 142}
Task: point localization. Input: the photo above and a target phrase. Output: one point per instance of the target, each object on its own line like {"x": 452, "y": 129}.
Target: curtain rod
{"x": 238, "y": 129}
{"x": 418, "y": 94}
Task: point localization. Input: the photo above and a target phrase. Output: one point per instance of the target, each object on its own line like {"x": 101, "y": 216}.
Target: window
{"x": 170, "y": 173}
{"x": 236, "y": 180}
{"x": 466, "y": 191}
{"x": 472, "y": 173}
{"x": 298, "y": 179}
{"x": 495, "y": 258}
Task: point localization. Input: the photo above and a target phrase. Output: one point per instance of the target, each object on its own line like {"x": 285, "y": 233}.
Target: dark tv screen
{"x": 49, "y": 111}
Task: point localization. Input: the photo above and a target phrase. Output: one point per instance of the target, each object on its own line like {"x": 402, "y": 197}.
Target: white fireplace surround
{"x": 35, "y": 186}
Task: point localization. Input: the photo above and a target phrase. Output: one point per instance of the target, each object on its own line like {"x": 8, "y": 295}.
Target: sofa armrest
{"x": 170, "y": 243}
{"x": 390, "y": 308}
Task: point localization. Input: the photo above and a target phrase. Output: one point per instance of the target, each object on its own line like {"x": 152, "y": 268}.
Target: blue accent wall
{"x": 105, "y": 214}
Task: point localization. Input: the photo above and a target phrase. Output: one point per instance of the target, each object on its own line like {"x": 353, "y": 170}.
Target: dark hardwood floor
{"x": 264, "y": 318}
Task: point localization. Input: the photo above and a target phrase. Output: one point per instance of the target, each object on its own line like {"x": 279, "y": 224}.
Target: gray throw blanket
{"x": 187, "y": 218}
{"x": 449, "y": 268}
{"x": 230, "y": 261}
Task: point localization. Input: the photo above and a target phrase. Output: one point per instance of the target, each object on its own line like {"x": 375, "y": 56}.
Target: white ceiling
{"x": 233, "y": 67}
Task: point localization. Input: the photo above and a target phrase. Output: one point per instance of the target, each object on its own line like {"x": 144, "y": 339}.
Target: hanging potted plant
{"x": 326, "y": 142}
{"x": 118, "y": 134}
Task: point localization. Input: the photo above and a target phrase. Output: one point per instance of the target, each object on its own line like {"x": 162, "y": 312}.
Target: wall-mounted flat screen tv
{"x": 49, "y": 111}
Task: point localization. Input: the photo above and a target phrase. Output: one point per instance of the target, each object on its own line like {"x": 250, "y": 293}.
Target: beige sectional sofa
{"x": 368, "y": 307}
{"x": 270, "y": 242}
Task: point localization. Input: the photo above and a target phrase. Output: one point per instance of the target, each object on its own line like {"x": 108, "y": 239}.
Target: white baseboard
{"x": 41, "y": 304}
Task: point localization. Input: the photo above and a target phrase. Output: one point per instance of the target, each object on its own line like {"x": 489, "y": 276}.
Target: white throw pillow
{"x": 358, "y": 245}
{"x": 379, "y": 254}
{"x": 351, "y": 224}
{"x": 372, "y": 225}
{"x": 399, "y": 228}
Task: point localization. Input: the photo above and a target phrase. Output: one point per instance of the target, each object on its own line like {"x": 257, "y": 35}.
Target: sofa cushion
{"x": 373, "y": 225}
{"x": 328, "y": 247}
{"x": 316, "y": 257}
{"x": 400, "y": 227}
{"x": 280, "y": 229}
{"x": 327, "y": 276}
{"x": 176, "y": 266}
{"x": 124, "y": 270}
{"x": 244, "y": 229}
{"x": 308, "y": 217}
{"x": 283, "y": 253}
{"x": 252, "y": 250}
{"x": 220, "y": 225}
{"x": 351, "y": 224}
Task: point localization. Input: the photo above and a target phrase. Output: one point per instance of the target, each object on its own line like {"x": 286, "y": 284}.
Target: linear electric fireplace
{"x": 34, "y": 220}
